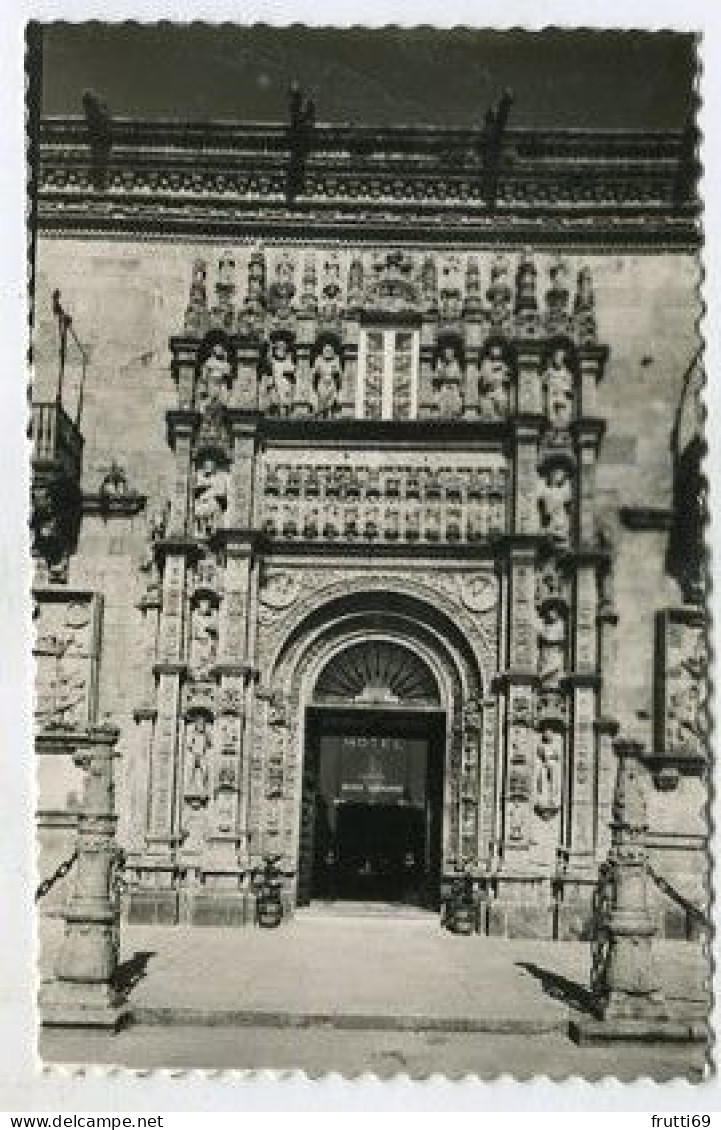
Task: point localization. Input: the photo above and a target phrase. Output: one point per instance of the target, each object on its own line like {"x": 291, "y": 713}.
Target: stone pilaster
{"x": 245, "y": 392}
{"x": 183, "y": 370}
{"x": 519, "y": 680}
{"x": 529, "y": 387}
{"x": 591, "y": 364}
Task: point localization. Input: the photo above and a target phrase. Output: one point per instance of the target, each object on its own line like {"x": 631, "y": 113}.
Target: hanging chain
{"x": 59, "y": 873}
{"x": 665, "y": 887}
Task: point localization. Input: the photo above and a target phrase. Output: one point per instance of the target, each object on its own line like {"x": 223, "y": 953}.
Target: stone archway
{"x": 400, "y": 625}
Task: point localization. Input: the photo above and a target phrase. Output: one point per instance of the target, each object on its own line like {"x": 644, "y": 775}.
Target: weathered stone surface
{"x": 294, "y": 528}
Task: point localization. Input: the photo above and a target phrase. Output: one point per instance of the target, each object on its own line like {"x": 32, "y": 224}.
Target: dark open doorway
{"x": 371, "y": 817}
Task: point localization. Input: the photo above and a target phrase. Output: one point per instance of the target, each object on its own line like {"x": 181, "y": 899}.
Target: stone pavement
{"x": 369, "y": 971}
{"x": 367, "y": 993}
{"x": 321, "y": 1050}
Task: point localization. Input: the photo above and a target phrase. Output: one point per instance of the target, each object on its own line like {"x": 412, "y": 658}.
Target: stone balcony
{"x": 57, "y": 456}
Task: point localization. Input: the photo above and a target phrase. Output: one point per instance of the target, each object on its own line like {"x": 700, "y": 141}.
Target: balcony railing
{"x": 57, "y": 442}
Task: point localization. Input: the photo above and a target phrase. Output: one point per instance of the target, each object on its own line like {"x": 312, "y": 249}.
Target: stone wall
{"x": 128, "y": 298}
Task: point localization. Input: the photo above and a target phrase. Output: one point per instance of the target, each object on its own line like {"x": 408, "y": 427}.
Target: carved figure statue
{"x": 447, "y": 382}
{"x": 204, "y": 637}
{"x": 326, "y": 380}
{"x": 552, "y": 644}
{"x": 309, "y": 297}
{"x": 255, "y": 299}
{"x": 559, "y": 390}
{"x": 331, "y": 287}
{"x": 493, "y": 384}
{"x": 584, "y": 307}
{"x": 451, "y": 292}
{"x": 277, "y": 709}
{"x": 196, "y": 762}
{"x": 214, "y": 377}
{"x": 429, "y": 283}
{"x": 282, "y": 290}
{"x": 198, "y": 294}
{"x": 515, "y": 821}
{"x": 281, "y": 385}
{"x": 549, "y": 752}
{"x": 211, "y": 490}
{"x": 499, "y": 292}
{"x": 555, "y": 504}
{"x": 114, "y": 483}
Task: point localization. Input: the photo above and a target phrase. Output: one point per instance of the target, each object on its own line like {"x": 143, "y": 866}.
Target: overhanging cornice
{"x": 221, "y": 180}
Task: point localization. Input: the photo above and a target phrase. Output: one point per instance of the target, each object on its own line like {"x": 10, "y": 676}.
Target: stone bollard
{"x": 84, "y": 993}
{"x": 628, "y": 986}
{"x": 626, "y": 990}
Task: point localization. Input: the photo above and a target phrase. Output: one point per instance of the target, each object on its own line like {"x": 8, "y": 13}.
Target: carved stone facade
{"x": 378, "y": 498}
{"x": 381, "y": 454}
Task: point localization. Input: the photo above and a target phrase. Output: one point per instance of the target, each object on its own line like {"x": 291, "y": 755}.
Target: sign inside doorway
{"x": 374, "y": 769}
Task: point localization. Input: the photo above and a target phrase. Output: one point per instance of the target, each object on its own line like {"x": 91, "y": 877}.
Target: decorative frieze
{"x": 682, "y": 724}
{"x": 393, "y": 502}
{"x": 66, "y": 653}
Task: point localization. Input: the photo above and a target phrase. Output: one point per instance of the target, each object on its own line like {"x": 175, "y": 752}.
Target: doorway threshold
{"x": 372, "y": 908}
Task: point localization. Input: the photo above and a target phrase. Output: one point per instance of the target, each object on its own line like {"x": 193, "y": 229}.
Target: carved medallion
{"x": 279, "y": 589}
{"x": 479, "y": 592}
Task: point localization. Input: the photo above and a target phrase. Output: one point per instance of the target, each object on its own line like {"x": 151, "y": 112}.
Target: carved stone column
{"x": 156, "y": 897}
{"x": 145, "y": 715}
{"x": 84, "y": 993}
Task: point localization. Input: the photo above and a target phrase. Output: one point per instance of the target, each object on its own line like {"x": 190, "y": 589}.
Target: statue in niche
{"x": 204, "y": 636}
{"x": 198, "y": 292}
{"x": 332, "y": 290}
{"x": 196, "y": 760}
{"x": 211, "y": 492}
{"x": 327, "y": 380}
{"x": 311, "y": 524}
{"x": 447, "y": 381}
{"x": 228, "y": 732}
{"x": 551, "y": 644}
{"x": 559, "y": 389}
{"x": 451, "y": 293}
{"x": 549, "y": 755}
{"x": 255, "y": 299}
{"x": 493, "y": 383}
{"x": 549, "y": 583}
{"x": 277, "y": 709}
{"x": 309, "y": 299}
{"x": 159, "y": 520}
{"x": 214, "y": 377}
{"x": 555, "y": 505}
{"x": 515, "y": 821}
{"x": 584, "y": 307}
{"x": 499, "y": 292}
{"x": 282, "y": 290}
{"x": 281, "y": 377}
{"x": 429, "y": 284}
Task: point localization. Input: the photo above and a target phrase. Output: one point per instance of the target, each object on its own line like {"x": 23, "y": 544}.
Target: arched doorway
{"x": 372, "y": 792}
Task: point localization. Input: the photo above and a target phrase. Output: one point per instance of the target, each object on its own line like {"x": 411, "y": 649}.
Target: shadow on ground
{"x": 559, "y": 987}
{"x": 131, "y": 971}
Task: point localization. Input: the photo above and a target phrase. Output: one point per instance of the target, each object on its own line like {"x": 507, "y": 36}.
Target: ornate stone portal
{"x": 374, "y": 452}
